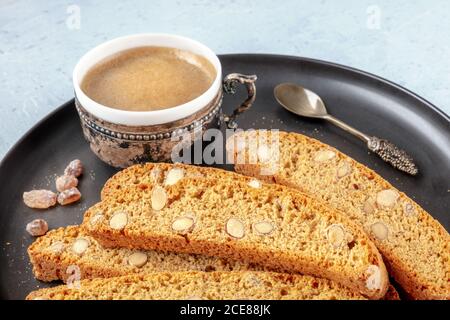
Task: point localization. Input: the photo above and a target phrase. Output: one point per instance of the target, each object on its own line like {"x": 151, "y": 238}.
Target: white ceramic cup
{"x": 122, "y": 138}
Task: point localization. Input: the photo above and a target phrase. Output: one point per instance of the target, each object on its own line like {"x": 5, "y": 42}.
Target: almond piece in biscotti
{"x": 408, "y": 209}
{"x": 343, "y": 170}
{"x": 155, "y": 174}
{"x": 119, "y": 220}
{"x": 369, "y": 206}
{"x": 96, "y": 219}
{"x": 57, "y": 247}
{"x": 255, "y": 183}
{"x": 373, "y": 281}
{"x": 159, "y": 198}
{"x": 387, "y": 198}
{"x": 173, "y": 176}
{"x": 379, "y": 230}
{"x": 324, "y": 155}
{"x": 183, "y": 224}
{"x": 336, "y": 235}
{"x": 80, "y": 245}
{"x": 263, "y": 227}
{"x": 137, "y": 259}
{"x": 235, "y": 228}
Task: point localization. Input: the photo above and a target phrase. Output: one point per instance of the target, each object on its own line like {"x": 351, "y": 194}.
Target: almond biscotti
{"x": 201, "y": 286}
{"x": 415, "y": 246}
{"x": 164, "y": 174}
{"x": 63, "y": 249}
{"x": 279, "y": 229}
{"x": 55, "y": 255}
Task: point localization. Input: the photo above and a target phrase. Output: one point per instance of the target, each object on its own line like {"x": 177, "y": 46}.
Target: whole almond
{"x": 65, "y": 182}
{"x": 37, "y": 227}
{"x": 69, "y": 196}
{"x": 39, "y": 199}
{"x": 74, "y": 168}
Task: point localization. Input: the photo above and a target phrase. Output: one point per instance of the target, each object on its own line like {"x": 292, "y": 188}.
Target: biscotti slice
{"x": 56, "y": 255}
{"x": 201, "y": 286}
{"x": 415, "y": 246}
{"x": 164, "y": 174}
{"x": 277, "y": 229}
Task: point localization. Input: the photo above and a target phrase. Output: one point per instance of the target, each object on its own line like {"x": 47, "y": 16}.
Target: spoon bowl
{"x": 300, "y": 101}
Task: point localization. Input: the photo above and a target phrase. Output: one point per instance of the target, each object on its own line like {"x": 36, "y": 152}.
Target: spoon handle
{"x": 393, "y": 155}
{"x": 386, "y": 150}
{"x": 348, "y": 128}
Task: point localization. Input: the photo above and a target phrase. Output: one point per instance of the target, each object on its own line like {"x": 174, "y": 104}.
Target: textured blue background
{"x": 405, "y": 41}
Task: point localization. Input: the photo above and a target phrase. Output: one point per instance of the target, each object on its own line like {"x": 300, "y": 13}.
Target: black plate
{"x": 374, "y": 105}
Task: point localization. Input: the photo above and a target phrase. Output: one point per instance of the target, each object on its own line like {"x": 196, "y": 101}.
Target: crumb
{"x": 49, "y": 180}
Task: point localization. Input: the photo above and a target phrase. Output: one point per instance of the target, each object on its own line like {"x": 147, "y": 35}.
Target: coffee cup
{"x": 122, "y": 138}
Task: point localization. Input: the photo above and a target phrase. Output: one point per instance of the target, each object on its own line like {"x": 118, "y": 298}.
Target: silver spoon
{"x": 306, "y": 103}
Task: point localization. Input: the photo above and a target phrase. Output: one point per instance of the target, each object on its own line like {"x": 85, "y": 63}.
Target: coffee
{"x": 148, "y": 78}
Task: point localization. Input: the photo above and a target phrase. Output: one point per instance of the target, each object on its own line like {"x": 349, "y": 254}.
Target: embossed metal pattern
{"x": 393, "y": 155}
{"x": 97, "y": 125}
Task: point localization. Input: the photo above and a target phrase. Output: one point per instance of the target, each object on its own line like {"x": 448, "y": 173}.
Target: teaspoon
{"x": 306, "y": 103}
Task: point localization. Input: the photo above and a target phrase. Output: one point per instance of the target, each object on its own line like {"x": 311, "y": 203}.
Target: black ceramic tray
{"x": 374, "y": 105}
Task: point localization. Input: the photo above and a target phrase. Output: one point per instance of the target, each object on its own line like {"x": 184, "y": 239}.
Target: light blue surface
{"x": 405, "y": 41}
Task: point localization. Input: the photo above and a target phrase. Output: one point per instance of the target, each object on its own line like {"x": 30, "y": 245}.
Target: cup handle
{"x": 230, "y": 83}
